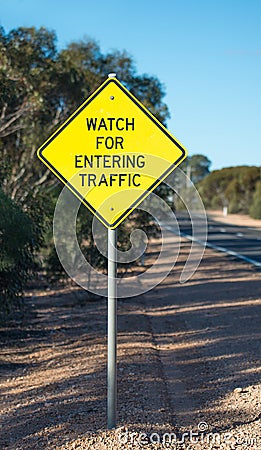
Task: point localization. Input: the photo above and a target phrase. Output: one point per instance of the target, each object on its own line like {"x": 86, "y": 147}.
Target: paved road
{"x": 237, "y": 240}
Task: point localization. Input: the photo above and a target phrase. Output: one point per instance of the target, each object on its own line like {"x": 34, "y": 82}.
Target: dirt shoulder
{"x": 188, "y": 361}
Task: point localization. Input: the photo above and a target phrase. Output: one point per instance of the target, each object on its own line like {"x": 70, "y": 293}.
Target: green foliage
{"x": 255, "y": 208}
{"x": 54, "y": 270}
{"x": 233, "y": 187}
{"x": 196, "y": 167}
{"x": 16, "y": 252}
{"x": 137, "y": 220}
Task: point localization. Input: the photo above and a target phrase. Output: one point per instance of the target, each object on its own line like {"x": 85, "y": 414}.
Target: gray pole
{"x": 112, "y": 329}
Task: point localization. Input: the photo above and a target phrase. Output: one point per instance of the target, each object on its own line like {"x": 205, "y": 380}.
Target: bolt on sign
{"x": 111, "y": 153}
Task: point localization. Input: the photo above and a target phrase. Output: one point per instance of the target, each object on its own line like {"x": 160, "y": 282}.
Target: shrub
{"x": 16, "y": 252}
{"x": 255, "y": 208}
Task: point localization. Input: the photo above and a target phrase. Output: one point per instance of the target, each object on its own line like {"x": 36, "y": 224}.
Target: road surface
{"x": 240, "y": 241}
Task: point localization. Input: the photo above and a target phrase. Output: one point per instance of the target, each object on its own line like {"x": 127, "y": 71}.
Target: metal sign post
{"x": 112, "y": 329}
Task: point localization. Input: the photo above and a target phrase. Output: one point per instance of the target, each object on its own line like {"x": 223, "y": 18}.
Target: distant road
{"x": 239, "y": 241}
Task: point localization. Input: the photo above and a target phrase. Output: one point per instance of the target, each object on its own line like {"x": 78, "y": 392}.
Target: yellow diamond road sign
{"x": 111, "y": 153}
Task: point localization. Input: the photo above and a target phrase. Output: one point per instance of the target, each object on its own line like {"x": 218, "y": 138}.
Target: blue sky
{"x": 207, "y": 53}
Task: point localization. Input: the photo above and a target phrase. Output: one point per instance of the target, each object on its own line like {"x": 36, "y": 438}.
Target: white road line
{"x": 218, "y": 248}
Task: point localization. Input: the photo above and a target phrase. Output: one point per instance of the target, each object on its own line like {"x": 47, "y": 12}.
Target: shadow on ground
{"x": 182, "y": 350}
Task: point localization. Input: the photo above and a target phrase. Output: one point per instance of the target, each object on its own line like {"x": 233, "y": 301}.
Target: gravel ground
{"x": 188, "y": 365}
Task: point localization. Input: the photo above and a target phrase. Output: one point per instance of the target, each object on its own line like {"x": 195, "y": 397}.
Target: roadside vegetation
{"x": 237, "y": 188}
